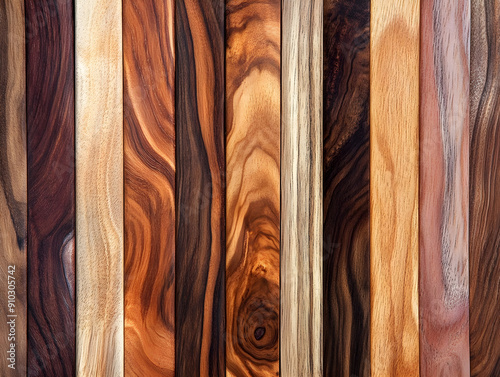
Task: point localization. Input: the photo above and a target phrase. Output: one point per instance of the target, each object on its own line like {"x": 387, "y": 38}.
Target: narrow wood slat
{"x": 394, "y": 132}
{"x": 200, "y": 198}
{"x": 444, "y": 188}
{"x": 51, "y": 180}
{"x": 301, "y": 195}
{"x": 253, "y": 101}
{"x": 485, "y": 189}
{"x": 99, "y": 187}
{"x": 346, "y": 164}
{"x": 149, "y": 178}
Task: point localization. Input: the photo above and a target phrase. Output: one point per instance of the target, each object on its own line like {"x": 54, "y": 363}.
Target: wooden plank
{"x": 485, "y": 189}
{"x": 346, "y": 164}
{"x": 149, "y": 178}
{"x": 394, "y": 132}
{"x": 301, "y": 197}
{"x": 200, "y": 197}
{"x": 444, "y": 188}
{"x": 51, "y": 180}
{"x": 253, "y": 102}
{"x": 13, "y": 177}
{"x": 99, "y": 187}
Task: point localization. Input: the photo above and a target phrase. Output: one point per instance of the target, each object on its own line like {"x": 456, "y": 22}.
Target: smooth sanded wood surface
{"x": 301, "y": 195}
{"x": 253, "y": 187}
{"x": 444, "y": 188}
{"x": 200, "y": 198}
{"x": 485, "y": 189}
{"x": 99, "y": 187}
{"x": 346, "y": 188}
{"x": 13, "y": 192}
{"x": 149, "y": 179}
{"x": 394, "y": 147}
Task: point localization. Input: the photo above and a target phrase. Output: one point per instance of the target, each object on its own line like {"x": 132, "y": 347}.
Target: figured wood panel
{"x": 301, "y": 198}
{"x": 200, "y": 196}
{"x": 149, "y": 178}
{"x": 51, "y": 187}
{"x": 485, "y": 189}
{"x": 253, "y": 187}
{"x": 99, "y": 187}
{"x": 394, "y": 144}
{"x": 444, "y": 188}
{"x": 346, "y": 188}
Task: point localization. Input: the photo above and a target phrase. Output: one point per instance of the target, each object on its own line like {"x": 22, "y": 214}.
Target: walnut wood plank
{"x": 346, "y": 164}
{"x": 149, "y": 178}
{"x": 51, "y": 180}
{"x": 253, "y": 187}
{"x": 301, "y": 198}
{"x": 394, "y": 143}
{"x": 444, "y": 188}
{"x": 99, "y": 187}
{"x": 485, "y": 189}
{"x": 200, "y": 196}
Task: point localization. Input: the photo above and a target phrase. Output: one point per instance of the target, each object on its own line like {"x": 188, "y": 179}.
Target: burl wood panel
{"x": 485, "y": 190}
{"x": 444, "y": 188}
{"x": 200, "y": 196}
{"x": 301, "y": 196}
{"x": 99, "y": 187}
{"x": 253, "y": 187}
{"x": 13, "y": 177}
{"x": 51, "y": 187}
{"x": 346, "y": 188}
{"x": 394, "y": 172}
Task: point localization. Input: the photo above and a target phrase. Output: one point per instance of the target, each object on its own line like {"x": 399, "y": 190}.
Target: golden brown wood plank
{"x": 253, "y": 187}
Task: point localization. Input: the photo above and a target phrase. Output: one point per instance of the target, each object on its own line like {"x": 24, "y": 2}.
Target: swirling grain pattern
{"x": 51, "y": 192}
{"x": 346, "y": 163}
{"x": 485, "y": 190}
{"x": 200, "y": 196}
{"x": 253, "y": 100}
{"x": 149, "y": 178}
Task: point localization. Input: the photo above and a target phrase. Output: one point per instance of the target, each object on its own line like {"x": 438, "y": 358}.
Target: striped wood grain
{"x": 200, "y": 198}
{"x": 301, "y": 197}
{"x": 99, "y": 187}
{"x": 253, "y": 187}
{"x": 444, "y": 188}
{"x": 149, "y": 178}
{"x": 394, "y": 132}
{"x": 485, "y": 190}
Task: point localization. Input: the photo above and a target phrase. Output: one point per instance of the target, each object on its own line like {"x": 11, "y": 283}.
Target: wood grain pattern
{"x": 253, "y": 187}
{"x": 485, "y": 189}
{"x": 444, "y": 188}
{"x": 149, "y": 178}
{"x": 51, "y": 194}
{"x": 394, "y": 132}
{"x": 99, "y": 187}
{"x": 301, "y": 197}
{"x": 200, "y": 196}
{"x": 13, "y": 177}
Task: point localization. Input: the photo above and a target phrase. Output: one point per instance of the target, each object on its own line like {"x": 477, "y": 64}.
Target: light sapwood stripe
{"x": 394, "y": 132}
{"x": 444, "y": 188}
{"x": 301, "y": 195}
{"x": 99, "y": 187}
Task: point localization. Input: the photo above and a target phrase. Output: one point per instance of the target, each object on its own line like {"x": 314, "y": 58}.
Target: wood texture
{"x": 200, "y": 197}
{"x": 444, "y": 188}
{"x": 13, "y": 177}
{"x": 346, "y": 164}
{"x": 99, "y": 187}
{"x": 301, "y": 197}
{"x": 394, "y": 143}
{"x": 253, "y": 187}
{"x": 51, "y": 194}
{"x": 485, "y": 189}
